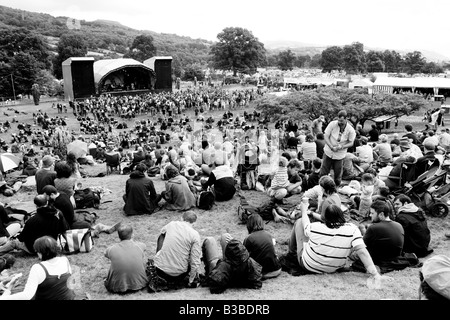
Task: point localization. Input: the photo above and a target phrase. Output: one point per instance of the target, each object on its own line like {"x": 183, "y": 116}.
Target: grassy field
{"x": 91, "y": 268}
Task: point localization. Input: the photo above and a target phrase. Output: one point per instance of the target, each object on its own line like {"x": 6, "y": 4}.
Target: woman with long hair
{"x": 74, "y": 165}
{"x": 65, "y": 182}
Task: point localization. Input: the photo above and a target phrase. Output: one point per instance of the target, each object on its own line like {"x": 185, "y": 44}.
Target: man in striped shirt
{"x": 323, "y": 247}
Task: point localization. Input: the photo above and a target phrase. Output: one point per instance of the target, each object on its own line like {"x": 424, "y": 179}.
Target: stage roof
{"x": 103, "y": 68}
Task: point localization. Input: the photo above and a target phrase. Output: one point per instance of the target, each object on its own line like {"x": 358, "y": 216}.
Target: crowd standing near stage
{"x": 335, "y": 167}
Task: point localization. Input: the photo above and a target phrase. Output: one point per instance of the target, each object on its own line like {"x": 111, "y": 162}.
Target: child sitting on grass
{"x": 280, "y": 181}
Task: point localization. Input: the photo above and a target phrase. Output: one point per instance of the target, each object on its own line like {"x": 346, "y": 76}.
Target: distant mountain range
{"x": 312, "y": 49}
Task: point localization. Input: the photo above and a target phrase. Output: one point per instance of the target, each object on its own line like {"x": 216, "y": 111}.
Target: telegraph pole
{"x": 14, "y": 91}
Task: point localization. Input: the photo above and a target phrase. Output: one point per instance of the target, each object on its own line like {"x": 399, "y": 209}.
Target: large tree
{"x": 354, "y": 58}
{"x": 414, "y": 62}
{"x": 392, "y": 61}
{"x": 142, "y": 48}
{"x": 331, "y": 59}
{"x": 71, "y": 44}
{"x": 24, "y": 70}
{"x": 22, "y": 55}
{"x": 328, "y": 101}
{"x": 286, "y": 60}
{"x": 20, "y": 40}
{"x": 375, "y": 61}
{"x": 237, "y": 50}
{"x": 302, "y": 61}
{"x": 432, "y": 68}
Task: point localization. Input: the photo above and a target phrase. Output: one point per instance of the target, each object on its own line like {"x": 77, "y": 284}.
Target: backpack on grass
{"x": 245, "y": 210}
{"x": 76, "y": 241}
{"x": 205, "y": 200}
{"x": 87, "y": 198}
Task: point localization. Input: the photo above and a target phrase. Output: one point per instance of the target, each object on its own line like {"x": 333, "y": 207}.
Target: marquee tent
{"x": 433, "y": 85}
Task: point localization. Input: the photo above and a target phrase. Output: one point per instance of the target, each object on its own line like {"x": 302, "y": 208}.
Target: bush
{"x": 231, "y": 80}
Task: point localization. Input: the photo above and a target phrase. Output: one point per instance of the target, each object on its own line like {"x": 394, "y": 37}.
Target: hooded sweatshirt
{"x": 178, "y": 195}
{"x": 140, "y": 195}
{"x": 48, "y": 221}
{"x": 417, "y": 233}
{"x": 237, "y": 269}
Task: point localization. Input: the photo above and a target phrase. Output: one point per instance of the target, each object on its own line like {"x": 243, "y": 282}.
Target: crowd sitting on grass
{"x": 350, "y": 165}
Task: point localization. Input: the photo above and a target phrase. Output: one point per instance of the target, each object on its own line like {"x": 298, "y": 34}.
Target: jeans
{"x": 210, "y": 250}
{"x": 336, "y": 165}
{"x": 10, "y": 245}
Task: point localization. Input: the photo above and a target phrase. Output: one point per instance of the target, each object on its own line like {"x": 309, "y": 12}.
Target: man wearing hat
{"x": 46, "y": 175}
{"x": 435, "y": 279}
{"x": 408, "y": 150}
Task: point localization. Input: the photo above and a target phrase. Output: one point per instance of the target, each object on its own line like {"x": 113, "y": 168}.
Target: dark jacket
{"x": 4, "y": 222}
{"x": 237, "y": 269}
{"x": 140, "y": 195}
{"x": 63, "y": 203}
{"x": 44, "y": 177}
{"x": 417, "y": 233}
{"x": 48, "y": 221}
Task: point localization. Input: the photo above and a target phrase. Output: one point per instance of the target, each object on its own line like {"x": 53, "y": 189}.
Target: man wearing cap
{"x": 435, "y": 279}
{"x": 46, "y": 175}
{"x": 339, "y": 135}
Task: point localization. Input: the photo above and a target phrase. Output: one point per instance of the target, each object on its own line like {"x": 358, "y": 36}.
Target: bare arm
{"x": 366, "y": 259}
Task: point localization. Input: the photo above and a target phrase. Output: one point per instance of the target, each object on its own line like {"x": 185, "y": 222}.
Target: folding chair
{"x": 112, "y": 163}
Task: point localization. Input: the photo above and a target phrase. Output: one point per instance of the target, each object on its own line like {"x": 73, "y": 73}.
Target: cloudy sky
{"x": 389, "y": 24}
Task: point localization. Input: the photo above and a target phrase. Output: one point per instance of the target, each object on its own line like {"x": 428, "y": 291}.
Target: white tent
{"x": 360, "y": 83}
{"x": 387, "y": 84}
